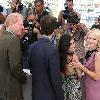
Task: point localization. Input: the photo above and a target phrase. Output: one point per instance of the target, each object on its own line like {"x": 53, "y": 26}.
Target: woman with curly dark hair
{"x": 70, "y": 74}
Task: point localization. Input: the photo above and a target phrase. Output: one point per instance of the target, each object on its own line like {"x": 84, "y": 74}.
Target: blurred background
{"x": 89, "y": 9}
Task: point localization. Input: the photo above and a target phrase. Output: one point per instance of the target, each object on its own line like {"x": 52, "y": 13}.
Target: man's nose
{"x": 90, "y": 40}
{"x": 22, "y": 27}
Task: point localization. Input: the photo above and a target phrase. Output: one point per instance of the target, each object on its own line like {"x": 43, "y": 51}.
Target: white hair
{"x": 96, "y": 32}
{"x": 11, "y": 19}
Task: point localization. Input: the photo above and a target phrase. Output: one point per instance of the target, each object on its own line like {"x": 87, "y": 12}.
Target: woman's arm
{"x": 78, "y": 71}
{"x": 97, "y": 65}
{"x": 94, "y": 75}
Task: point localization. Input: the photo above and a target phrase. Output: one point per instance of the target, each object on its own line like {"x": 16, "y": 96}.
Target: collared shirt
{"x": 8, "y": 30}
{"x": 44, "y": 36}
{"x": 53, "y": 39}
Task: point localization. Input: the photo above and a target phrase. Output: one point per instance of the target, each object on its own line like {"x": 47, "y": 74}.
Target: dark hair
{"x": 47, "y": 24}
{"x": 69, "y": 0}
{"x": 64, "y": 45}
{"x": 99, "y": 18}
{"x": 41, "y": 1}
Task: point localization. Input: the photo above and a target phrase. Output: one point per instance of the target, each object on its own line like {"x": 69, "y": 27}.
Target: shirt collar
{"x": 8, "y": 30}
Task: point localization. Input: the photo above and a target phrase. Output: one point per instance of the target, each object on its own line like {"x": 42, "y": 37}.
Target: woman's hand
{"x": 76, "y": 65}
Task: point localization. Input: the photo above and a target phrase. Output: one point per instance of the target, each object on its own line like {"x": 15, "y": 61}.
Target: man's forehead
{"x": 69, "y": 2}
{"x": 38, "y": 4}
{"x": 16, "y": 0}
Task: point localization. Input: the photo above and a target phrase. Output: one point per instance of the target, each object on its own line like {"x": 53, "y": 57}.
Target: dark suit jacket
{"x": 45, "y": 68}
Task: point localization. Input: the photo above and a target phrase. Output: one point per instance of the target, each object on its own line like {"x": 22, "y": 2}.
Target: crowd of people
{"x": 62, "y": 54}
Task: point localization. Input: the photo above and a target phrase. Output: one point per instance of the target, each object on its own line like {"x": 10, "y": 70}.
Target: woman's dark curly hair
{"x": 64, "y": 45}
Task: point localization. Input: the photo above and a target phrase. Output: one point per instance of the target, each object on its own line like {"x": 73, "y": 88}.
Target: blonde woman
{"x": 91, "y": 66}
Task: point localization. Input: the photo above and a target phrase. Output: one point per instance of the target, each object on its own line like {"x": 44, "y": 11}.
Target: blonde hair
{"x": 12, "y": 19}
{"x": 96, "y": 32}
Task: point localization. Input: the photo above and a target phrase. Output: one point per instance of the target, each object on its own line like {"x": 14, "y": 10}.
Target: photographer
{"x": 17, "y": 6}
{"x": 40, "y": 10}
{"x": 96, "y": 25}
{"x": 73, "y": 27}
{"x": 64, "y": 14}
{"x": 78, "y": 31}
{"x": 32, "y": 30}
{"x": 3, "y": 13}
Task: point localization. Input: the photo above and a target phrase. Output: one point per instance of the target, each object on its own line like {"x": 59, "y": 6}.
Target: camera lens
{"x": 1, "y": 8}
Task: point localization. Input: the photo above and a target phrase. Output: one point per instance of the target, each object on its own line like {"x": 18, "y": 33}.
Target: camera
{"x": 19, "y": 6}
{"x": 30, "y": 36}
{"x": 1, "y": 8}
{"x": 66, "y": 12}
{"x": 73, "y": 18}
{"x": 29, "y": 25}
{"x": 70, "y": 16}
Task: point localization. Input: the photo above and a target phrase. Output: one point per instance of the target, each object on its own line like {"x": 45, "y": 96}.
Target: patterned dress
{"x": 71, "y": 87}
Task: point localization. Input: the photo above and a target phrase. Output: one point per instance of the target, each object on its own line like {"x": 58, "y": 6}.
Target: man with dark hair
{"x": 3, "y": 14}
{"x": 67, "y": 14}
{"x": 45, "y": 65}
{"x": 96, "y": 25}
{"x": 32, "y": 31}
{"x": 39, "y": 9}
{"x": 17, "y": 6}
{"x": 41, "y": 1}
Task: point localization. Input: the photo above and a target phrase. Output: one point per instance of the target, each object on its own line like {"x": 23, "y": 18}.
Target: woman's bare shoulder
{"x": 97, "y": 55}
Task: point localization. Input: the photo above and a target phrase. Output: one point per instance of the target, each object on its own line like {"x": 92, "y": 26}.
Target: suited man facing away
{"x": 11, "y": 74}
{"x": 45, "y": 65}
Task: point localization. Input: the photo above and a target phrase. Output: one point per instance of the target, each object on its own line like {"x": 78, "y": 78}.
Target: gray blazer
{"x": 11, "y": 74}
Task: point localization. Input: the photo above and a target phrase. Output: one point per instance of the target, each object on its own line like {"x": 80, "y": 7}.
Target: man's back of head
{"x": 47, "y": 23}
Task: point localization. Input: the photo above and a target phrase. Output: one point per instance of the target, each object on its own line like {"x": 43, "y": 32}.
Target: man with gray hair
{"x": 11, "y": 73}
